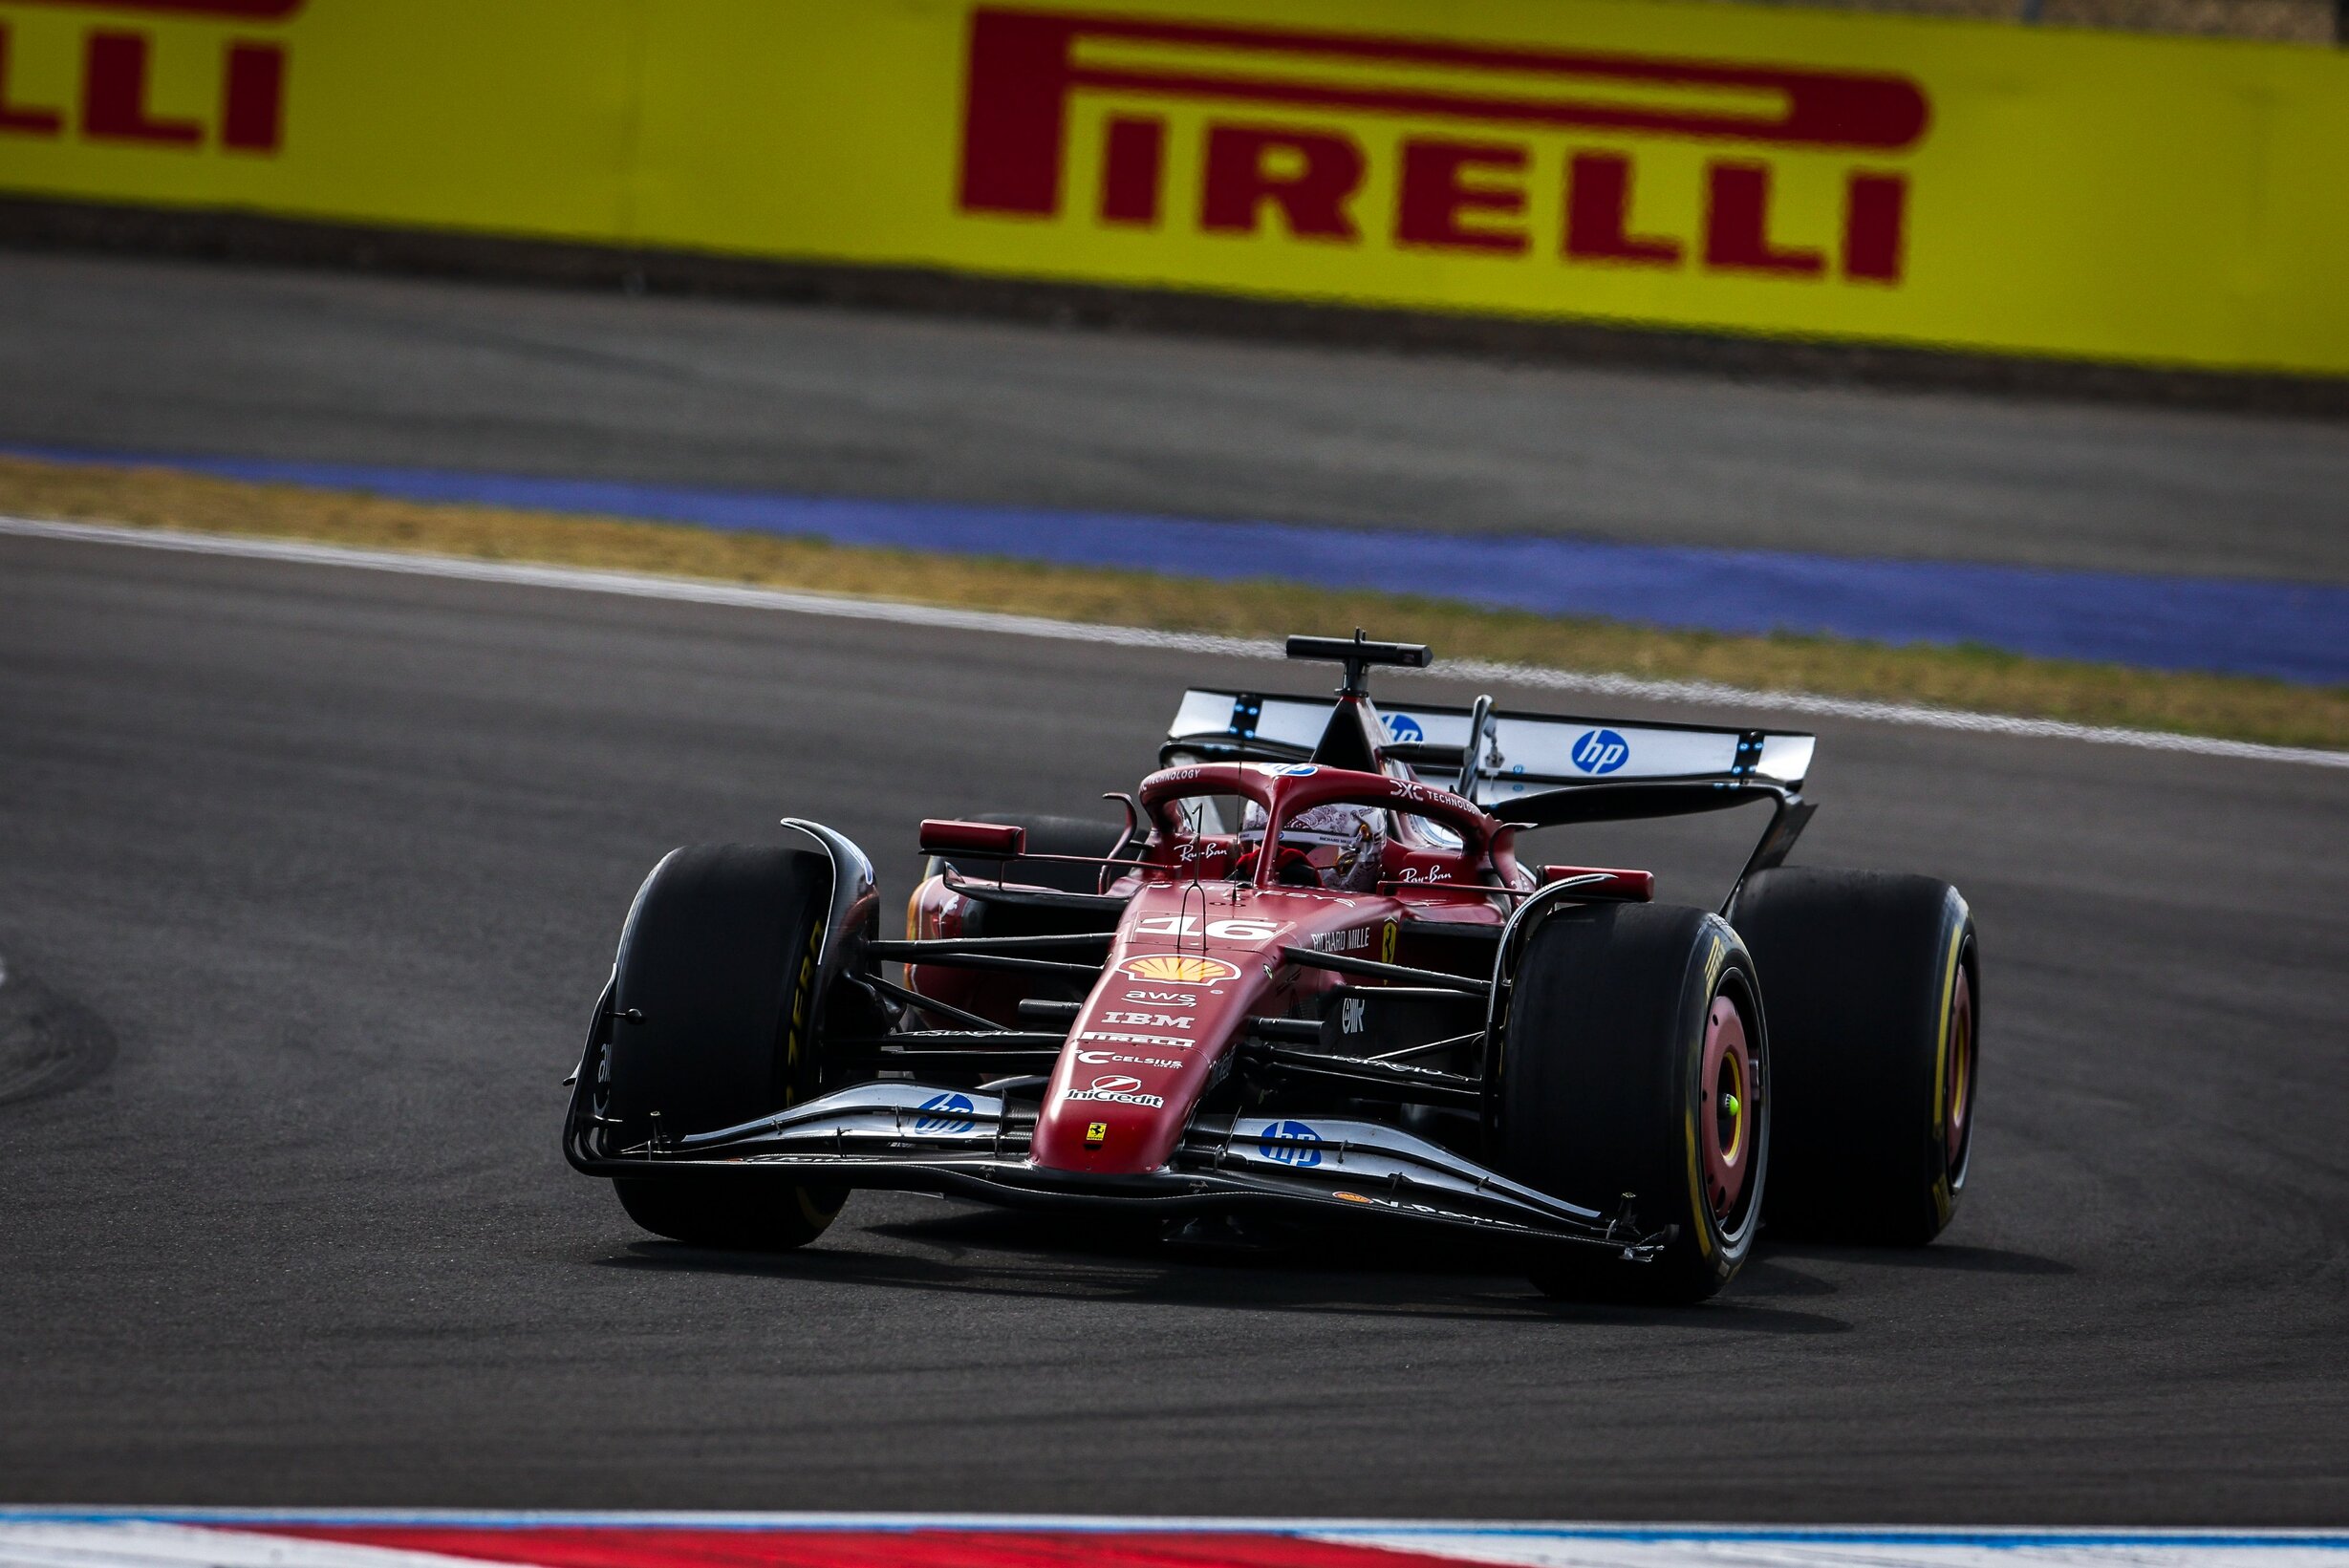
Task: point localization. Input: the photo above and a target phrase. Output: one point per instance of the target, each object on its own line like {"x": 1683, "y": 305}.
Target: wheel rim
{"x": 1728, "y": 1125}
{"x": 1958, "y": 1072}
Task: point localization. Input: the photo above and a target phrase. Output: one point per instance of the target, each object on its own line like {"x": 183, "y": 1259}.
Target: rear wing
{"x": 1523, "y": 755}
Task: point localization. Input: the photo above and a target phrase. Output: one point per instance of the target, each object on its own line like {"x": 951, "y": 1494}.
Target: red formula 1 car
{"x": 1309, "y": 982}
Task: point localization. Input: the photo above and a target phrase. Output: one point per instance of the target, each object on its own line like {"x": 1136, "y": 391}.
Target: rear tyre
{"x": 1636, "y": 1062}
{"x": 1875, "y": 995}
{"x": 714, "y": 999}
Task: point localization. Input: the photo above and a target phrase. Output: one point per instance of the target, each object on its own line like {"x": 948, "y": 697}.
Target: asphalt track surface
{"x": 323, "y": 867}
{"x": 174, "y": 358}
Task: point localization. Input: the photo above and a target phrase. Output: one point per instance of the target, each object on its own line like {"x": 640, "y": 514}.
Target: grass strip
{"x": 1966, "y": 678}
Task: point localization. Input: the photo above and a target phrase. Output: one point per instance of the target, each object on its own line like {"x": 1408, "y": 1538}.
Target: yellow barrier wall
{"x": 1884, "y": 179}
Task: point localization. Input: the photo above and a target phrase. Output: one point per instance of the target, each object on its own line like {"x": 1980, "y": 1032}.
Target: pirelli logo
{"x": 107, "y": 51}
{"x": 1341, "y": 138}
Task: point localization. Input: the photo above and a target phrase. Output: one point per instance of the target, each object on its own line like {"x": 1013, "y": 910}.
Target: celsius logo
{"x": 1403, "y": 727}
{"x": 1104, "y": 1059}
{"x": 1291, "y": 1142}
{"x": 945, "y": 1114}
{"x": 1601, "y": 751}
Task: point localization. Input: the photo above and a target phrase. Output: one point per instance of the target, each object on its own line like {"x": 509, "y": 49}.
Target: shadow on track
{"x": 1942, "y": 1257}
{"x": 49, "y": 1042}
{"x": 1011, "y": 1254}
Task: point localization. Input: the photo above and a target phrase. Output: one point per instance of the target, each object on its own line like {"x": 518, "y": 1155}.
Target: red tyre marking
{"x": 1728, "y": 1077}
{"x": 1957, "y": 1070}
{"x": 581, "y": 1547}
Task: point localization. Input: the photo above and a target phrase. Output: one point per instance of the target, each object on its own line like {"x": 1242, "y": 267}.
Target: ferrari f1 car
{"x": 1308, "y": 983}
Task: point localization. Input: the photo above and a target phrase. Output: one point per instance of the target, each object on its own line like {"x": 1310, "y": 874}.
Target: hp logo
{"x": 1601, "y": 751}
{"x": 1291, "y": 1142}
{"x": 945, "y": 1114}
{"x": 1404, "y": 728}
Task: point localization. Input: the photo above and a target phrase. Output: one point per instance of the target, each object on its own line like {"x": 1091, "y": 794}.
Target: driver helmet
{"x": 1343, "y": 845}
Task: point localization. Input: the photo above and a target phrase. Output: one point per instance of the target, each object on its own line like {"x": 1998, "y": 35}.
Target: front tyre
{"x": 1875, "y": 994}
{"x": 737, "y": 1211}
{"x": 713, "y": 1011}
{"x": 1636, "y": 1061}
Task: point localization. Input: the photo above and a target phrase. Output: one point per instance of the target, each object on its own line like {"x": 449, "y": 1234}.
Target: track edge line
{"x": 849, "y": 607}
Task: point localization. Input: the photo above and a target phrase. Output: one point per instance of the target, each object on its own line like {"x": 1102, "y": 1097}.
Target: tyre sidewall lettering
{"x": 802, "y": 998}
{"x": 1720, "y": 966}
{"x": 1956, "y": 940}
{"x": 1697, "y": 1001}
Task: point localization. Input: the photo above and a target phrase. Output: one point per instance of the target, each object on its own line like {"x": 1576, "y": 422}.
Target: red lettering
{"x": 18, "y": 118}
{"x": 1327, "y": 170}
{"x": 1874, "y": 208}
{"x": 1737, "y": 225}
{"x": 1599, "y": 215}
{"x": 1014, "y": 114}
{"x": 114, "y": 95}
{"x": 253, "y": 100}
{"x": 1133, "y": 165}
{"x": 1435, "y": 195}
{"x": 243, "y": 10}
{"x": 1025, "y": 72}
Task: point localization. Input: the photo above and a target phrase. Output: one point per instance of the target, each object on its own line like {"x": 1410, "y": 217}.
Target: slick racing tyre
{"x": 712, "y": 1002}
{"x": 1052, "y": 836}
{"x": 1875, "y": 995}
{"x": 1635, "y": 1060}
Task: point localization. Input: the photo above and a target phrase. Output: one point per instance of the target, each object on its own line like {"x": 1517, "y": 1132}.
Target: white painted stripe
{"x": 33, "y": 1538}
{"x": 140, "y": 1544}
{"x": 1534, "y": 1550}
{"x": 842, "y": 607}
{"x": 18, "y": 1515}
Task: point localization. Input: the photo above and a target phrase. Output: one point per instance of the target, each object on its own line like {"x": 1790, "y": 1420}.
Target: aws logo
{"x": 109, "y": 60}
{"x": 1304, "y": 132}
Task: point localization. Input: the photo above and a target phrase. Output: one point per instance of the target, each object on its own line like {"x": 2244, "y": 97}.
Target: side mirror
{"x": 1629, "y": 887}
{"x": 981, "y": 840}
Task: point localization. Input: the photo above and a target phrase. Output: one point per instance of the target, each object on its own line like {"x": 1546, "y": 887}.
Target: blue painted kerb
{"x": 2292, "y": 631}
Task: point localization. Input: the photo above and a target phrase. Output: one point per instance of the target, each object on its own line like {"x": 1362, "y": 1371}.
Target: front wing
{"x": 974, "y": 1144}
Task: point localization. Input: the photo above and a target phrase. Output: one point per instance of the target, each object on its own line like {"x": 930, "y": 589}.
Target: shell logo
{"x": 1181, "y": 968}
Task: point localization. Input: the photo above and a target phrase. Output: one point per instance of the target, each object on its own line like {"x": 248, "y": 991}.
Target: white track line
{"x": 134, "y": 1543}
{"x": 693, "y": 590}
{"x": 1560, "y": 1550}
